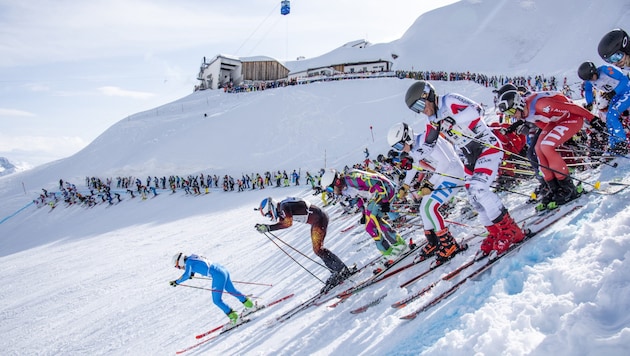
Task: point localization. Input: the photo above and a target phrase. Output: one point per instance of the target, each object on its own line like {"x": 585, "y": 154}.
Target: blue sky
{"x": 70, "y": 69}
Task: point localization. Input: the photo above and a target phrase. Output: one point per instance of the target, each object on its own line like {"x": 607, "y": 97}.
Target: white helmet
{"x": 398, "y": 135}
{"x": 179, "y": 260}
{"x": 328, "y": 178}
{"x": 268, "y": 207}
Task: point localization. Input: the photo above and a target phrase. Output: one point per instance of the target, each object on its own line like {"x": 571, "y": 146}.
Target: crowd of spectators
{"x": 111, "y": 190}
{"x": 533, "y": 82}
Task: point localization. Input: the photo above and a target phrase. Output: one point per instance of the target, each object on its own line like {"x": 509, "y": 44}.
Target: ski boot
{"x": 234, "y": 317}
{"x": 547, "y": 202}
{"x": 508, "y": 233}
{"x": 429, "y": 248}
{"x": 566, "y": 192}
{"x": 487, "y": 245}
{"x": 447, "y": 247}
{"x": 337, "y": 277}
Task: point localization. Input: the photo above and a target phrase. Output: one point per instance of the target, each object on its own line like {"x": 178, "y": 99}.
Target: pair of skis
{"x": 545, "y": 219}
{"x": 222, "y": 329}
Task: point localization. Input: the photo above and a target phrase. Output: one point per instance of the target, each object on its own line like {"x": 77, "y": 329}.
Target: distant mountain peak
{"x": 6, "y": 167}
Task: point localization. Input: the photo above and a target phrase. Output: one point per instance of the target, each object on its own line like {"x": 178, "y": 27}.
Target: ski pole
{"x": 252, "y": 283}
{"x": 596, "y": 185}
{"x": 438, "y": 173}
{"x": 602, "y": 152}
{"x": 217, "y": 291}
{"x": 291, "y": 257}
{"x": 298, "y": 251}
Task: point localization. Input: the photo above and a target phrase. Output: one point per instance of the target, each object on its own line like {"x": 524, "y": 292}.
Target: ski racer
{"x": 615, "y": 87}
{"x": 292, "y": 210}
{"x": 560, "y": 119}
{"x": 614, "y": 48}
{"x": 375, "y": 192}
{"x": 461, "y": 121}
{"x": 221, "y": 281}
{"x": 430, "y": 153}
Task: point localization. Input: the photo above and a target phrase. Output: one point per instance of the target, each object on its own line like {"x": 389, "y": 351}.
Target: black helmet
{"x": 419, "y": 90}
{"x": 506, "y": 88}
{"x": 523, "y": 90}
{"x": 509, "y": 98}
{"x": 586, "y": 70}
{"x": 613, "y": 45}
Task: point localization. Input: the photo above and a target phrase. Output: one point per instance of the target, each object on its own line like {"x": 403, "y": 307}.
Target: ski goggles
{"x": 177, "y": 262}
{"x": 418, "y": 106}
{"x": 510, "y": 112}
{"x": 398, "y": 146}
{"x": 615, "y": 57}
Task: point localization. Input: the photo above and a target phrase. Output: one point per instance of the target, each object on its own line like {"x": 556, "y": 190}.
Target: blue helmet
{"x": 268, "y": 207}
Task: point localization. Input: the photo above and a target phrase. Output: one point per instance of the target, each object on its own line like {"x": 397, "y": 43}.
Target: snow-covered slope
{"x": 95, "y": 281}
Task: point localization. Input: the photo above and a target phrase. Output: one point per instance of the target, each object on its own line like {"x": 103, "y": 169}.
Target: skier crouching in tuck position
{"x": 292, "y": 210}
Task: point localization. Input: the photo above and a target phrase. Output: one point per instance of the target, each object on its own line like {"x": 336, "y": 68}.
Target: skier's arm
{"x": 285, "y": 218}
{"x": 187, "y": 273}
{"x": 588, "y": 92}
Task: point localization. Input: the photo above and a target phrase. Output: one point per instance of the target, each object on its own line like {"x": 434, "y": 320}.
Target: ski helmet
{"x": 399, "y": 135}
{"x": 586, "y": 70}
{"x": 329, "y": 178}
{"x": 268, "y": 207}
{"x": 179, "y": 260}
{"x": 505, "y": 88}
{"x": 417, "y": 93}
{"x": 523, "y": 90}
{"x": 614, "y": 45}
{"x": 510, "y": 100}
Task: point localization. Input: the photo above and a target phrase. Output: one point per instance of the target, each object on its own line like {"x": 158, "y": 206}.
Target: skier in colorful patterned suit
{"x": 221, "y": 281}
{"x": 292, "y": 210}
{"x": 375, "y": 192}
{"x": 461, "y": 121}
{"x": 441, "y": 173}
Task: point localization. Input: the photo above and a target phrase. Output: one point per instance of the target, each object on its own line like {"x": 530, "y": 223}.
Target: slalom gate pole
{"x": 596, "y": 185}
{"x": 291, "y": 257}
{"x": 217, "y": 291}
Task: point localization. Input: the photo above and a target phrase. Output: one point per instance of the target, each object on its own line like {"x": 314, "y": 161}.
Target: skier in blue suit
{"x": 615, "y": 87}
{"x": 221, "y": 281}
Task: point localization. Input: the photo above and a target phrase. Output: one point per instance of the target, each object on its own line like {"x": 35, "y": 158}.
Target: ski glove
{"x": 609, "y": 95}
{"x": 426, "y": 189}
{"x": 402, "y": 192}
{"x": 262, "y": 228}
{"x": 515, "y": 126}
{"x": 385, "y": 207}
{"x": 597, "y": 124}
{"x": 173, "y": 283}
